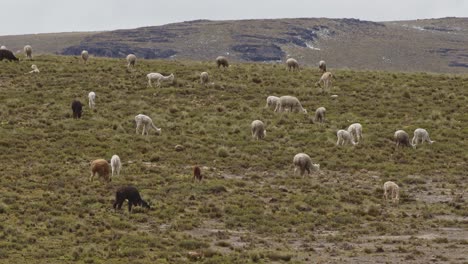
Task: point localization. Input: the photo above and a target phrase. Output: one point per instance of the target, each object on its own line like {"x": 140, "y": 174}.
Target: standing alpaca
{"x": 204, "y": 78}
{"x": 322, "y": 66}
{"x": 197, "y": 173}
{"x": 147, "y": 123}
{"x": 92, "y": 98}
{"x": 258, "y": 129}
{"x": 320, "y": 115}
{"x": 131, "y": 60}
{"x": 77, "y": 108}
{"x": 84, "y": 56}
{"x": 116, "y": 165}
{"x": 28, "y": 51}
{"x": 393, "y": 189}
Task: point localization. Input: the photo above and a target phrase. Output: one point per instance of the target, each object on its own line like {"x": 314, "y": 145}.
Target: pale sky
{"x": 46, "y": 16}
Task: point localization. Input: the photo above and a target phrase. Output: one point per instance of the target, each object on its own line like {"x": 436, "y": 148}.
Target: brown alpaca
{"x": 197, "y": 173}
{"x": 101, "y": 167}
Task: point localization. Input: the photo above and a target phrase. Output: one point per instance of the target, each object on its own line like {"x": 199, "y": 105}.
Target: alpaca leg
{"x": 149, "y": 83}
{"x": 138, "y": 126}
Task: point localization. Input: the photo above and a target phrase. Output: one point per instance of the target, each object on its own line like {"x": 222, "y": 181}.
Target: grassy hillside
{"x": 250, "y": 208}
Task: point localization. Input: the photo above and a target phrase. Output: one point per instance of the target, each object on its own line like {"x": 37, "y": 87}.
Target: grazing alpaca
{"x": 393, "y": 189}
{"x": 147, "y": 123}
{"x": 292, "y": 64}
{"x": 402, "y": 139}
{"x": 101, "y": 167}
{"x": 116, "y": 165}
{"x": 344, "y": 137}
{"x": 131, "y": 194}
{"x": 197, "y": 174}
{"x": 326, "y": 79}
{"x": 303, "y": 162}
{"x": 159, "y": 78}
{"x": 421, "y": 135}
{"x": 77, "y": 108}
{"x": 222, "y": 61}
{"x": 7, "y": 55}
{"x": 356, "y": 131}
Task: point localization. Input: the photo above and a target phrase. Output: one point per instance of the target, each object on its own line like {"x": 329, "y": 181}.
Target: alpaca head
{"x": 316, "y": 167}
{"x": 145, "y": 205}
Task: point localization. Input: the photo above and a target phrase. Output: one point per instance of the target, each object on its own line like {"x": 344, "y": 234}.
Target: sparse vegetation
{"x": 249, "y": 208}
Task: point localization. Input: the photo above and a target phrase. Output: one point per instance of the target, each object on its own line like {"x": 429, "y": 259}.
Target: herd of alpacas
{"x": 301, "y": 161}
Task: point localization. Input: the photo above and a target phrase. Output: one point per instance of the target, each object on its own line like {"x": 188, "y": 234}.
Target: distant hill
{"x": 434, "y": 45}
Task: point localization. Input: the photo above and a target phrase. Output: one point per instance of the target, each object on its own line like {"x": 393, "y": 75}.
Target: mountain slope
{"x": 435, "y": 45}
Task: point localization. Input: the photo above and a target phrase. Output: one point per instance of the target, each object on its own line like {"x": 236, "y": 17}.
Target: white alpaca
{"x": 28, "y": 51}
{"x": 92, "y": 98}
{"x": 272, "y": 101}
{"x": 147, "y": 123}
{"x": 326, "y": 79}
{"x": 289, "y": 103}
{"x": 292, "y": 64}
{"x": 356, "y": 131}
{"x": 344, "y": 137}
{"x": 131, "y": 60}
{"x": 303, "y": 162}
{"x": 84, "y": 56}
{"x": 116, "y": 165}
{"x": 421, "y": 135}
{"x": 320, "y": 115}
{"x": 393, "y": 189}
{"x": 204, "y": 78}
{"x": 258, "y": 129}
{"x": 322, "y": 66}
{"x": 159, "y": 77}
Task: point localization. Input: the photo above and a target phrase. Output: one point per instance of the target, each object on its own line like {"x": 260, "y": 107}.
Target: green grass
{"x": 249, "y": 208}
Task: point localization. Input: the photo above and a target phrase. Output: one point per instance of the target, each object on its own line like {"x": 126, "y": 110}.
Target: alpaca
{"x": 131, "y": 194}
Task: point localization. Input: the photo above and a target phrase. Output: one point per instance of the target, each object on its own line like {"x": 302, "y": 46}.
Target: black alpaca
{"x": 77, "y": 107}
{"x": 131, "y": 194}
{"x": 6, "y": 54}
